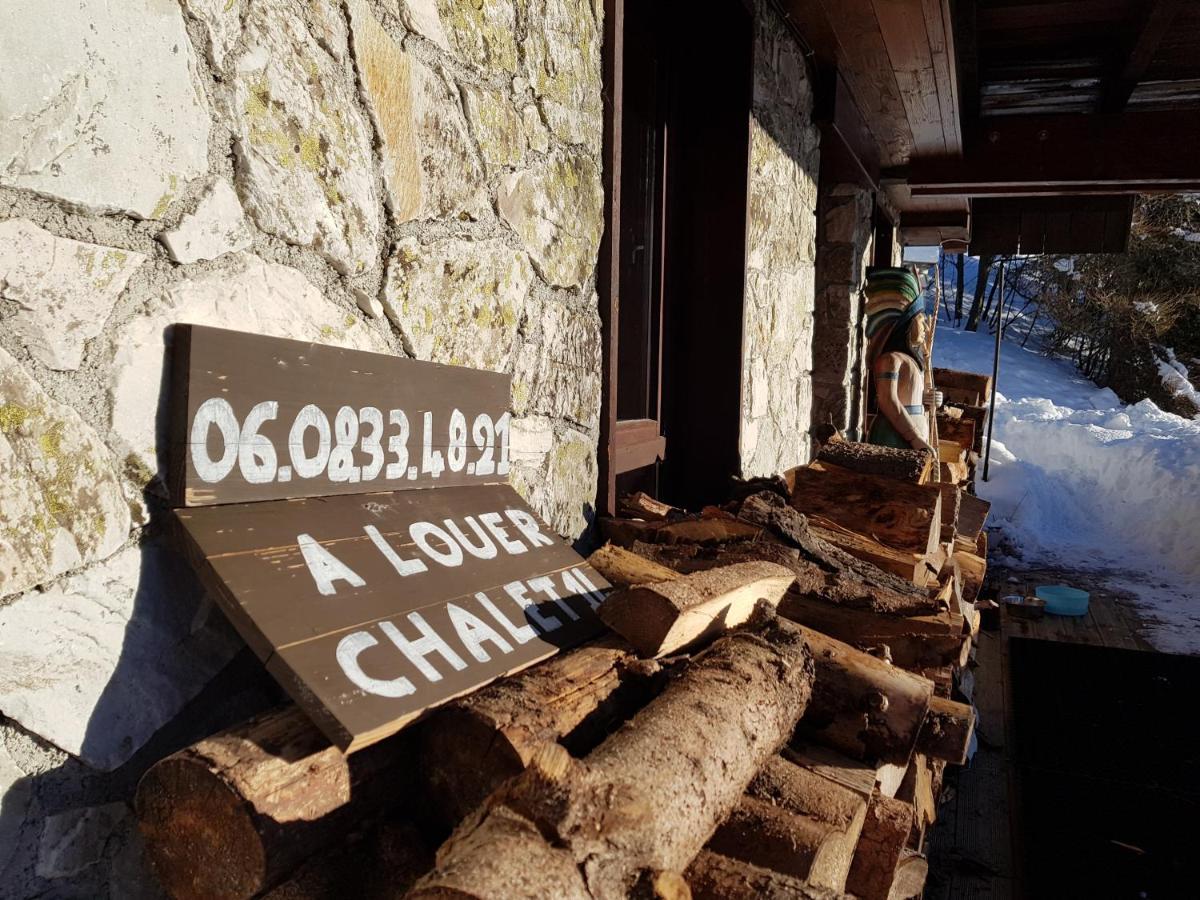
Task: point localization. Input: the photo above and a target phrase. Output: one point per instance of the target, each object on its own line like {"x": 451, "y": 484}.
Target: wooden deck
{"x": 973, "y": 847}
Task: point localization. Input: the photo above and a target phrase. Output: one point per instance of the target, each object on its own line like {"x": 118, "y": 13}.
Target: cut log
{"x": 658, "y": 619}
{"x": 712, "y": 876}
{"x": 232, "y": 815}
{"x": 885, "y": 462}
{"x": 978, "y": 415}
{"x": 660, "y": 786}
{"x": 972, "y": 569}
{"x": 914, "y": 641}
{"x": 623, "y": 568}
{"x": 972, "y": 516}
{"x": 951, "y": 504}
{"x": 917, "y": 789}
{"x": 956, "y": 473}
{"x": 824, "y": 569}
{"x": 707, "y": 531}
{"x": 968, "y": 388}
{"x": 767, "y": 836}
{"x": 908, "y": 881}
{"x": 641, "y": 505}
{"x": 380, "y": 865}
{"x": 624, "y": 532}
{"x": 862, "y": 706}
{"x": 894, "y": 513}
{"x": 471, "y": 746}
{"x": 912, "y": 567}
{"x": 956, "y": 428}
{"x": 880, "y": 848}
{"x": 796, "y": 822}
{"x": 951, "y": 452}
{"x": 947, "y": 731}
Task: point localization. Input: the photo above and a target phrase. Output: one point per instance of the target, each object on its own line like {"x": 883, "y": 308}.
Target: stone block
{"x": 561, "y": 486}
{"x": 562, "y": 63}
{"x": 304, "y": 154}
{"x": 218, "y": 226}
{"x": 100, "y": 661}
{"x": 430, "y": 167}
{"x": 62, "y": 501}
{"x": 246, "y": 293}
{"x": 557, "y": 210}
{"x": 458, "y": 301}
{"x": 496, "y": 126}
{"x": 559, "y": 367}
{"x": 483, "y": 35}
{"x": 59, "y": 292}
{"x": 90, "y": 121}
{"x": 73, "y": 840}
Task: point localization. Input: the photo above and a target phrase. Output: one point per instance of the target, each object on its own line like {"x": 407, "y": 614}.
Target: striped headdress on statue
{"x": 894, "y": 299}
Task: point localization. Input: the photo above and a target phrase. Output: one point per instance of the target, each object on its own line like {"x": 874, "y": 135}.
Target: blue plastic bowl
{"x": 1062, "y": 600}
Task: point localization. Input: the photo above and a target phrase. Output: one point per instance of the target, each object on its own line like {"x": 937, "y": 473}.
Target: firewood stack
{"x": 771, "y": 717}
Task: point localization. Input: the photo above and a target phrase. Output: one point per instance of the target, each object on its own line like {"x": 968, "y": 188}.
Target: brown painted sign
{"x": 258, "y": 418}
{"x": 371, "y": 607}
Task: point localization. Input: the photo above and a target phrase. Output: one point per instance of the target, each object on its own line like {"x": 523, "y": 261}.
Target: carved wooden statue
{"x": 897, "y": 356}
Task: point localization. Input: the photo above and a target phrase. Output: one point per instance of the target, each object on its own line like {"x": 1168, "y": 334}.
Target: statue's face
{"x": 919, "y": 332}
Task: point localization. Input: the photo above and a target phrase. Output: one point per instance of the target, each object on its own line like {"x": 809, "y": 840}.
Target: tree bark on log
{"x": 470, "y": 747}
{"x": 658, "y": 619}
{"x": 825, "y": 570}
{"x": 915, "y": 642}
{"x": 947, "y": 731}
{"x": 796, "y": 822}
{"x": 900, "y": 515}
{"x": 883, "y": 462}
{"x": 712, "y": 876}
{"x": 231, "y": 815}
{"x": 861, "y": 705}
{"x": 909, "y": 880}
{"x": 880, "y": 848}
{"x": 623, "y": 568}
{"x": 649, "y": 796}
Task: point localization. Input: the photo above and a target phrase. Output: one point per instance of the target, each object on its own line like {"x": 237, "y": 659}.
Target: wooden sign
{"x": 373, "y": 606}
{"x": 258, "y": 418}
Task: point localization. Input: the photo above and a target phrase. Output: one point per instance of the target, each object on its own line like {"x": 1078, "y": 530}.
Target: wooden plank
{"x": 259, "y": 418}
{"x": 1158, "y": 16}
{"x": 870, "y": 76}
{"x": 372, "y": 608}
{"x": 907, "y": 41}
{"x": 1105, "y": 153}
{"x": 940, "y": 29}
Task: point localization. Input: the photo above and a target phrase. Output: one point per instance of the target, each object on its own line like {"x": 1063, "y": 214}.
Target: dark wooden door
{"x": 684, "y": 146}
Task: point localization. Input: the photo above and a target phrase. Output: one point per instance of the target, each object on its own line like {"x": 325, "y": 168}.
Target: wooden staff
{"x": 936, "y": 475}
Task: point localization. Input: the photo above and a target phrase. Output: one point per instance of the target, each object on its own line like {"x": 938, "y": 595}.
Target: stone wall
{"x": 777, "y": 341}
{"x": 845, "y": 238}
{"x": 417, "y": 177}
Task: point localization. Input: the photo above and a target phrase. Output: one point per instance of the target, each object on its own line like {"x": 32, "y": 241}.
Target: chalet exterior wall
{"x": 416, "y": 177}
{"x": 777, "y": 348}
{"x": 845, "y": 239}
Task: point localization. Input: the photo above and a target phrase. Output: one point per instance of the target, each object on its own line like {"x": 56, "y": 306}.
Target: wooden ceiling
{"x": 943, "y": 101}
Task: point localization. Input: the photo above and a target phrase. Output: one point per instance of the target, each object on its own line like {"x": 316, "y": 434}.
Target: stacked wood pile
{"x": 771, "y": 717}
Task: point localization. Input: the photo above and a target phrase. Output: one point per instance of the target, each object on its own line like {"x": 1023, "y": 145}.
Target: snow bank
{"x": 1080, "y": 480}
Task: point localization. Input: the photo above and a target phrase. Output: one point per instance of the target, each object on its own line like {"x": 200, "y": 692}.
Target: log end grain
{"x": 200, "y": 836}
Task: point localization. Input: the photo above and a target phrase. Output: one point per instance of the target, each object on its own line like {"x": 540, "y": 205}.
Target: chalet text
{"x": 493, "y": 621}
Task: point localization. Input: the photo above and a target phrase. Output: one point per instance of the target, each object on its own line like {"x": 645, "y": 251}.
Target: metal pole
{"x": 987, "y": 453}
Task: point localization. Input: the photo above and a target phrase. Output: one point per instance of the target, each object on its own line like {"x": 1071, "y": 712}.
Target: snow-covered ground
{"x": 1083, "y": 481}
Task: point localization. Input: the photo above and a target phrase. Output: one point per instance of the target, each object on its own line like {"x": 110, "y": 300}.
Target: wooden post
{"x": 987, "y": 455}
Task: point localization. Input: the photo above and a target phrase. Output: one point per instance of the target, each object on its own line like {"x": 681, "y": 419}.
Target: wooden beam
{"x": 608, "y": 272}
{"x": 848, "y": 149}
{"x": 1158, "y": 17}
{"x": 966, "y": 41}
{"x": 1104, "y": 153}
{"x": 1050, "y": 15}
